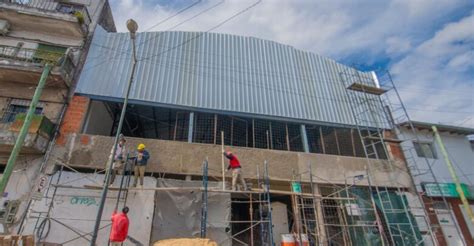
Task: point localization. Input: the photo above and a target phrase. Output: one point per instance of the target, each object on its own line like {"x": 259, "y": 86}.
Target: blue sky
{"x": 426, "y": 44}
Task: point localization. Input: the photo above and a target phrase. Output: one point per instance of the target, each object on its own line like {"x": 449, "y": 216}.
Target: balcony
{"x": 23, "y": 65}
{"x": 50, "y": 17}
{"x": 36, "y": 141}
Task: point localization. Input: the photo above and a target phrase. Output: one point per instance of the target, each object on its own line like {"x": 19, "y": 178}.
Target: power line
{"x": 187, "y": 41}
{"x": 209, "y": 30}
{"x": 180, "y": 66}
{"x": 153, "y": 26}
{"x": 176, "y": 14}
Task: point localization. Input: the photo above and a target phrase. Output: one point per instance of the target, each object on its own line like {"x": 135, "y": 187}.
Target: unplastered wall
{"x": 92, "y": 151}
{"x": 75, "y": 210}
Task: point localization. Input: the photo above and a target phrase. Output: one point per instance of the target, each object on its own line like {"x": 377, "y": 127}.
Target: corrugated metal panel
{"x": 220, "y": 72}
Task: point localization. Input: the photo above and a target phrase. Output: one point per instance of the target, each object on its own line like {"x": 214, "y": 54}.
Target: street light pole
{"x": 132, "y": 26}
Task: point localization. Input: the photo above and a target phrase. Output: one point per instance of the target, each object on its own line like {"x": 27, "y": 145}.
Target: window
{"x": 17, "y": 107}
{"x": 425, "y": 150}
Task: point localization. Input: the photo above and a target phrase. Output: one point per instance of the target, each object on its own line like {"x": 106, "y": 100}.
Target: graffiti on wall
{"x": 83, "y": 200}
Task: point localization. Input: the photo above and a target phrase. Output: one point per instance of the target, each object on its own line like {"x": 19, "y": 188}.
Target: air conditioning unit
{"x": 4, "y": 27}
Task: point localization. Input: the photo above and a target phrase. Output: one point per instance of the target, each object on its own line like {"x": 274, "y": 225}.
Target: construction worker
{"x": 140, "y": 164}
{"x": 119, "y": 158}
{"x": 119, "y": 231}
{"x": 234, "y": 165}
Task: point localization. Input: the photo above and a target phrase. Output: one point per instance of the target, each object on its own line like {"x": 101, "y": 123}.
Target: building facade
{"x": 456, "y": 227}
{"x": 314, "y": 137}
{"x": 35, "y": 33}
{"x": 284, "y": 112}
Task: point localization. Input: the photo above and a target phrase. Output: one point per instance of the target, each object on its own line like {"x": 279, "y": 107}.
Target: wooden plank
{"x": 217, "y": 190}
{"x": 366, "y": 88}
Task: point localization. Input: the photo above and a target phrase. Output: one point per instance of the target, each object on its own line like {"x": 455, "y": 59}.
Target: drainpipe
{"x": 24, "y": 129}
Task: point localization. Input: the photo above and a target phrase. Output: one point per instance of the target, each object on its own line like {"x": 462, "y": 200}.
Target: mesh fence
{"x": 171, "y": 124}
{"x": 203, "y": 131}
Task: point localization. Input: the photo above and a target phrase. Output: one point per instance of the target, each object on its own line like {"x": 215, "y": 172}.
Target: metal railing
{"x": 40, "y": 57}
{"x": 77, "y": 10}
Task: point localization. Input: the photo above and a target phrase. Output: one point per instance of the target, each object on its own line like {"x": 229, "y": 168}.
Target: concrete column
{"x": 191, "y": 127}
{"x": 304, "y": 138}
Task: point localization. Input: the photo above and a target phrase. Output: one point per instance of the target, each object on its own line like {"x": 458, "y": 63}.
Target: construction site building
{"x": 315, "y": 139}
{"x": 34, "y": 33}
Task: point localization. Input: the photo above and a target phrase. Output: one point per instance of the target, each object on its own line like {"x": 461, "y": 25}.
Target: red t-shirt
{"x": 234, "y": 162}
{"x": 119, "y": 230}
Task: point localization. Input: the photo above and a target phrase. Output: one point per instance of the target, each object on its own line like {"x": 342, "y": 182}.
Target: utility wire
{"x": 209, "y": 30}
{"x": 189, "y": 40}
{"x": 176, "y": 14}
{"x": 180, "y": 66}
{"x": 120, "y": 52}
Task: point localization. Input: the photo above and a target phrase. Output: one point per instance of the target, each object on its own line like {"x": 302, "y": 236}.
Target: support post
{"x": 204, "y": 200}
{"x": 454, "y": 176}
{"x": 109, "y": 165}
{"x": 223, "y": 164}
{"x": 191, "y": 127}
{"x": 304, "y": 138}
{"x": 24, "y": 129}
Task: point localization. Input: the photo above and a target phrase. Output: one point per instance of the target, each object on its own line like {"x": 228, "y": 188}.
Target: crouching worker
{"x": 119, "y": 231}
{"x": 140, "y": 164}
{"x": 234, "y": 166}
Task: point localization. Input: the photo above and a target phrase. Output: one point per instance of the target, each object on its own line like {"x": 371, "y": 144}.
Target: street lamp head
{"x": 132, "y": 27}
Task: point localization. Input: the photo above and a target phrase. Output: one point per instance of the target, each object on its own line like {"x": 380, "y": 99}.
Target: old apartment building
{"x": 34, "y": 33}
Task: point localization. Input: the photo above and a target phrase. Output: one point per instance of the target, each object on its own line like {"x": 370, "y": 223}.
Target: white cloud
{"x": 403, "y": 31}
{"x": 437, "y": 73}
{"x": 397, "y": 45}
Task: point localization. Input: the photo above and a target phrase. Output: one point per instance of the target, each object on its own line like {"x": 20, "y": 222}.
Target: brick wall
{"x": 394, "y": 148}
{"x": 438, "y": 233}
{"x": 74, "y": 118}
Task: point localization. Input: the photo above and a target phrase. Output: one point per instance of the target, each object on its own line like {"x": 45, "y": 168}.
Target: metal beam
{"x": 304, "y": 138}
{"x": 191, "y": 127}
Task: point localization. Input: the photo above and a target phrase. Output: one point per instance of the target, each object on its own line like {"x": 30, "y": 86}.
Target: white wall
{"x": 21, "y": 183}
{"x": 461, "y": 155}
{"x": 77, "y": 209}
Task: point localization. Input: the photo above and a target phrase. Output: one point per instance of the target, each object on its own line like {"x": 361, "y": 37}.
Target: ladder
{"x": 304, "y": 209}
{"x": 204, "y": 199}
{"x": 369, "y": 116}
{"x": 265, "y": 208}
{"x": 418, "y": 166}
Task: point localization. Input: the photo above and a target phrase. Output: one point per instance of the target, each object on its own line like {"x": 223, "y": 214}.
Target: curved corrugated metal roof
{"x": 219, "y": 72}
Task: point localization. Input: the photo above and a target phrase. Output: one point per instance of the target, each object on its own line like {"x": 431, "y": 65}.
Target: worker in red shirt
{"x": 119, "y": 231}
{"x": 234, "y": 165}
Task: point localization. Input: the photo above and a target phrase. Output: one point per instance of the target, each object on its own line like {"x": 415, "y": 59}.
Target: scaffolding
{"x": 375, "y": 116}
{"x": 323, "y": 215}
{"x": 399, "y": 118}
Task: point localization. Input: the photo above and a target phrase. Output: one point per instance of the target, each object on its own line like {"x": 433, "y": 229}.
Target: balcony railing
{"x": 40, "y": 57}
{"x": 77, "y": 10}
